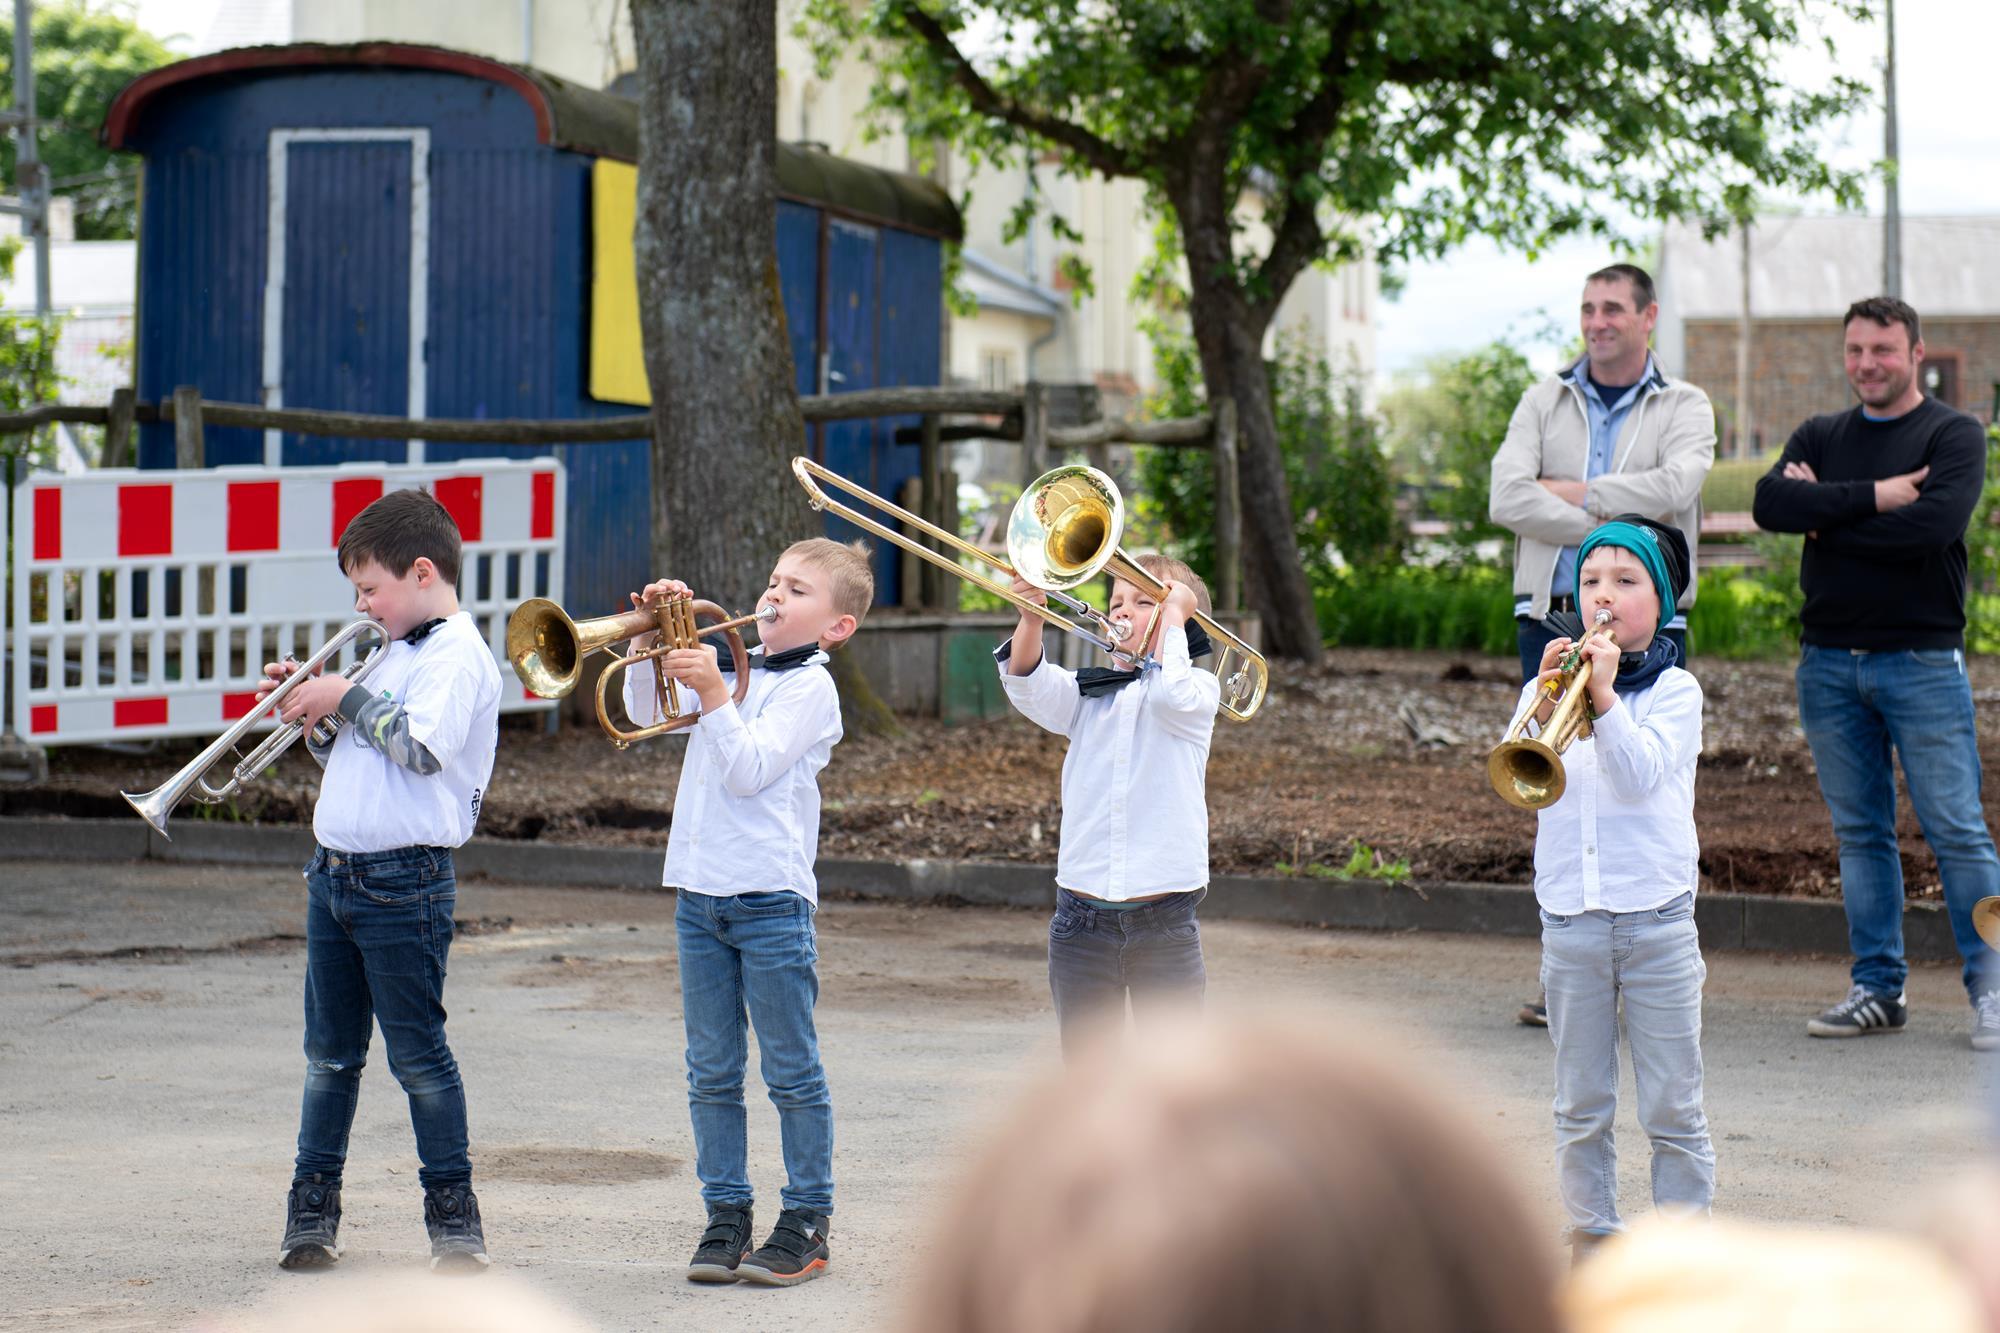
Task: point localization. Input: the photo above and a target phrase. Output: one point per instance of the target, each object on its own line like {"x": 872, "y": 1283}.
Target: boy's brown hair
{"x": 850, "y": 578}
{"x": 1169, "y": 570}
{"x": 398, "y": 529}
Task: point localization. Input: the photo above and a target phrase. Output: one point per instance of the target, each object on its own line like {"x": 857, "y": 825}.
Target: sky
{"x": 1479, "y": 293}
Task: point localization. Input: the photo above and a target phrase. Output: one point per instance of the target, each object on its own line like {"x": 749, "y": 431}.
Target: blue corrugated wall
{"x": 508, "y": 289}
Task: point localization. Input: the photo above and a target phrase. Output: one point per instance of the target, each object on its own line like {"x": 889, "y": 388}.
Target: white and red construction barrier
{"x": 146, "y": 603}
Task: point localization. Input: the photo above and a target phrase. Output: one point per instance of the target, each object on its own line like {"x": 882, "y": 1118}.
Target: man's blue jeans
{"x": 749, "y": 959}
{"x": 1098, "y": 954}
{"x": 1855, "y": 707}
{"x": 378, "y": 929}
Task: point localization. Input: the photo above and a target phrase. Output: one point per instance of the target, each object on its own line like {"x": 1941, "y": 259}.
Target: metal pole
{"x": 1892, "y": 213}
{"x": 1744, "y": 442}
{"x": 29, "y": 178}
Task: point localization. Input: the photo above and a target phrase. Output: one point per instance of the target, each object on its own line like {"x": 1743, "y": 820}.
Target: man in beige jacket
{"x": 1610, "y": 434}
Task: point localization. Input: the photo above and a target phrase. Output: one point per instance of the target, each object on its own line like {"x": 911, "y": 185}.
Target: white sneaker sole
{"x": 1815, "y": 1028}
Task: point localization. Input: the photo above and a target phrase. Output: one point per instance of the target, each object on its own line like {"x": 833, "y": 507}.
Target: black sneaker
{"x": 458, "y": 1241}
{"x": 312, "y": 1225}
{"x": 795, "y": 1253}
{"x": 1535, "y": 1013}
{"x": 1863, "y": 1012}
{"x": 724, "y": 1245}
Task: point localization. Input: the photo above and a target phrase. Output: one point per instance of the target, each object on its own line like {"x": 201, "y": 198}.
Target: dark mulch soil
{"x": 1326, "y": 764}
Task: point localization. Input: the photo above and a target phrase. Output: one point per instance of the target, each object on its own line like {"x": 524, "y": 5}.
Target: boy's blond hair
{"x": 1169, "y": 570}
{"x": 850, "y": 578}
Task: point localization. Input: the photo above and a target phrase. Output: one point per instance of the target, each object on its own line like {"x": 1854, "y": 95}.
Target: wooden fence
{"x": 1017, "y": 415}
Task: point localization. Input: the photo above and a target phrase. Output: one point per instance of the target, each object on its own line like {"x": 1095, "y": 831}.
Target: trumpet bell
{"x": 1066, "y": 528}
{"x": 547, "y": 648}
{"x": 1527, "y": 773}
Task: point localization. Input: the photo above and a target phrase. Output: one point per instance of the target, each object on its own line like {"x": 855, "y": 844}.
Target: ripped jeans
{"x": 378, "y": 928}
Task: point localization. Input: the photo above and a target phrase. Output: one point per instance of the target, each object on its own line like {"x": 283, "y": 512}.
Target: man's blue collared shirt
{"x": 1606, "y": 421}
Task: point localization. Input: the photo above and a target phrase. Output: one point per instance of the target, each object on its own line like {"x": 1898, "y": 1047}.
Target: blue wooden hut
{"x": 409, "y": 230}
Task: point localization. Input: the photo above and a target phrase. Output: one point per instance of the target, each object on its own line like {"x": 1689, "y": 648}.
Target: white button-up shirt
{"x": 1134, "y": 784}
{"x": 746, "y": 814}
{"x": 1622, "y": 838}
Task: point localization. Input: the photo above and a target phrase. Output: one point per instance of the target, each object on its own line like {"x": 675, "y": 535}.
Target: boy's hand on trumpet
{"x": 310, "y": 702}
{"x": 275, "y": 674}
{"x": 698, "y": 669}
{"x": 659, "y": 590}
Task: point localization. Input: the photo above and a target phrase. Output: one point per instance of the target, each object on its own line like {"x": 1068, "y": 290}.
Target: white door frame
{"x": 419, "y": 140}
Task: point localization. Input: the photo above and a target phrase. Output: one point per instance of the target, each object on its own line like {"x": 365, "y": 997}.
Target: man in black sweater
{"x": 1883, "y": 492}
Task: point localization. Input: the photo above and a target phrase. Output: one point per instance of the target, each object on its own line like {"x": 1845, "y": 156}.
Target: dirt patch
{"x": 1327, "y": 764}
{"x": 544, "y": 1165}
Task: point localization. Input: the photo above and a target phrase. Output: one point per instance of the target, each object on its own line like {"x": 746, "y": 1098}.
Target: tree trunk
{"x": 725, "y": 418}
{"x": 1230, "y": 336}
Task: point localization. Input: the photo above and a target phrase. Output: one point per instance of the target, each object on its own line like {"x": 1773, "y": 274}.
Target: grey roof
{"x": 1815, "y": 267}
{"x": 997, "y": 287}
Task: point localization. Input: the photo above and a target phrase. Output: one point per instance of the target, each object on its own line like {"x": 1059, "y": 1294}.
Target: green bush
{"x": 1460, "y": 608}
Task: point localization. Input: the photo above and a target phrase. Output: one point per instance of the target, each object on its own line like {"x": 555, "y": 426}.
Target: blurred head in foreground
{"x": 1235, "y": 1176}
{"x": 399, "y": 1302}
{"x": 1671, "y": 1275}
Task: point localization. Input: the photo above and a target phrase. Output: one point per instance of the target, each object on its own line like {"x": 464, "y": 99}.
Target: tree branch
{"x": 1097, "y": 151}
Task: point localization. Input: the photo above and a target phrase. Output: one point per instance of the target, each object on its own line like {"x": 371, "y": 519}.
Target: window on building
{"x": 1941, "y": 376}
{"x": 996, "y": 368}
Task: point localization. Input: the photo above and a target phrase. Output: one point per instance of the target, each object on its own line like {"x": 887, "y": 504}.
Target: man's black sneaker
{"x": 458, "y": 1241}
{"x": 1863, "y": 1012}
{"x": 724, "y": 1245}
{"x": 312, "y": 1225}
{"x": 795, "y": 1253}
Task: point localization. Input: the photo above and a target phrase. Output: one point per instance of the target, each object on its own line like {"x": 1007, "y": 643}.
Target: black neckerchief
{"x": 785, "y": 661}
{"x": 422, "y": 632}
{"x": 1093, "y": 681}
{"x": 1635, "y": 670}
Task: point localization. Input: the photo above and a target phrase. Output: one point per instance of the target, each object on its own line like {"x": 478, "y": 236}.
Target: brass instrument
{"x": 1064, "y": 532}
{"x": 156, "y": 805}
{"x": 1986, "y": 920}
{"x": 1527, "y": 770}
{"x": 547, "y": 649}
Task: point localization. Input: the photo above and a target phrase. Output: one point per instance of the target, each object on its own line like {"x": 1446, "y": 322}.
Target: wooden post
{"x": 118, "y": 430}
{"x": 1228, "y": 510}
{"x": 930, "y": 468}
{"x": 188, "y": 450}
{"x": 1034, "y": 432}
{"x": 1098, "y": 456}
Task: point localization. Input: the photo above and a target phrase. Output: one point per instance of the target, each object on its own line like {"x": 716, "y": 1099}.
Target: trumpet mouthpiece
{"x": 767, "y": 614}
{"x": 1601, "y": 617}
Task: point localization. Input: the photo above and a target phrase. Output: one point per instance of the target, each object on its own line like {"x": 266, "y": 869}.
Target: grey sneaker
{"x": 796, "y": 1252}
{"x": 458, "y": 1240}
{"x": 1863, "y": 1012}
{"x": 723, "y": 1246}
{"x": 1986, "y": 1022}
{"x": 312, "y": 1225}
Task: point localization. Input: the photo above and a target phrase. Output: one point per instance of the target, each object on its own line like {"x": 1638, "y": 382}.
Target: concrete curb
{"x": 1726, "y": 920}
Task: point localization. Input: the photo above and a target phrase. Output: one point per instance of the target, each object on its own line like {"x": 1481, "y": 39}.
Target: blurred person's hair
{"x": 406, "y": 1302}
{"x": 1237, "y": 1177}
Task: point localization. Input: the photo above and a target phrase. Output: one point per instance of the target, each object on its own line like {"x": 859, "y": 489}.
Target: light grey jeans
{"x": 1652, "y": 962}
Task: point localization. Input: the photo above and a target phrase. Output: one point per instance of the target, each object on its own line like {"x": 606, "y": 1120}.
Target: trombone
{"x": 1063, "y": 533}
{"x": 547, "y": 649}
{"x": 154, "y": 806}
{"x": 1528, "y": 770}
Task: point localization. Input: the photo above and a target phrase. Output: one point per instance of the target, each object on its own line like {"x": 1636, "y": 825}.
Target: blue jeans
{"x": 1652, "y": 962}
{"x": 1855, "y": 707}
{"x": 1533, "y": 639}
{"x": 378, "y": 928}
{"x": 1097, "y": 955}
{"x": 750, "y": 959}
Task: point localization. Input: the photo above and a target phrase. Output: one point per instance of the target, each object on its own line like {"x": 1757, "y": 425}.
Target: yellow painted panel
{"x": 617, "y": 356}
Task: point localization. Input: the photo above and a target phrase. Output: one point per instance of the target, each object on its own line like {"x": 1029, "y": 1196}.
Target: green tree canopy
{"x": 1279, "y": 133}
{"x": 83, "y": 55}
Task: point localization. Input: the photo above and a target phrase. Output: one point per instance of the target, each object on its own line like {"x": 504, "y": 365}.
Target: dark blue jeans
{"x": 1098, "y": 955}
{"x": 1532, "y": 639}
{"x": 1855, "y": 707}
{"x": 378, "y": 927}
{"x": 750, "y": 959}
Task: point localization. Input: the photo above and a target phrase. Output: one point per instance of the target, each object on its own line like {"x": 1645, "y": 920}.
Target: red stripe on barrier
{"x": 48, "y": 523}
{"x": 238, "y": 705}
{"x": 542, "y": 509}
{"x": 350, "y": 498}
{"x": 253, "y": 515}
{"x": 139, "y": 712}
{"x": 461, "y": 498}
{"x": 146, "y": 520}
{"x": 42, "y": 717}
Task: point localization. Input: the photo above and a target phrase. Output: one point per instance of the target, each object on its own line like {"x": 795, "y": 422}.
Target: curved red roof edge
{"x": 125, "y": 108}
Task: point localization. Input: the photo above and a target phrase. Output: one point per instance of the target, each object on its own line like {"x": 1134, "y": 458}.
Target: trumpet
{"x": 547, "y": 650}
{"x": 1528, "y": 770}
{"x": 1064, "y": 532}
{"x": 156, "y": 805}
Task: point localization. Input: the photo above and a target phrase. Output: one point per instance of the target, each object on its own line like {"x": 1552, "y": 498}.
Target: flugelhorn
{"x": 156, "y": 805}
{"x": 547, "y": 649}
{"x": 1064, "y": 532}
{"x": 1528, "y": 770}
